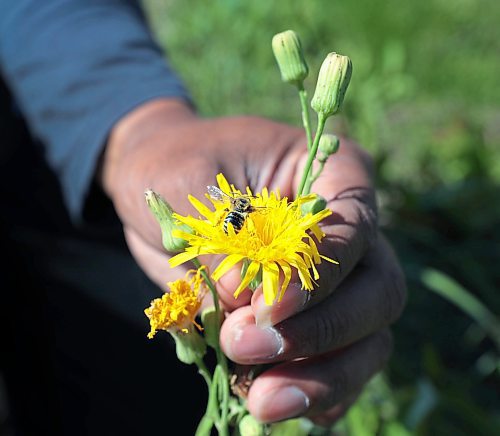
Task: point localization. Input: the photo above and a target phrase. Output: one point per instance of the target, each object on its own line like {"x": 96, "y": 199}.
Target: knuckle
{"x": 322, "y": 335}
{"x": 337, "y": 328}
{"x": 330, "y": 331}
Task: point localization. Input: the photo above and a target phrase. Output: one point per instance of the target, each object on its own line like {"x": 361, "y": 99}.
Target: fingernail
{"x": 251, "y": 343}
{"x": 292, "y": 302}
{"x": 283, "y": 403}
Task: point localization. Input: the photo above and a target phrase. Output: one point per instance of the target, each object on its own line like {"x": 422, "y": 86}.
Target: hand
{"x": 339, "y": 330}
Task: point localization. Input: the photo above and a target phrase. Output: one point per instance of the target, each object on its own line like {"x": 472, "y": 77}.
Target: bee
{"x": 240, "y": 208}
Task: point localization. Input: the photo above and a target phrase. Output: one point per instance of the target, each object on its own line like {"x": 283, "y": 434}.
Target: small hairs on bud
{"x": 333, "y": 79}
{"x": 287, "y": 50}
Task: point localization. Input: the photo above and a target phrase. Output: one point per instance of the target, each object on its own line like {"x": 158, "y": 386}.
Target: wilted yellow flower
{"x": 274, "y": 239}
{"x": 176, "y": 310}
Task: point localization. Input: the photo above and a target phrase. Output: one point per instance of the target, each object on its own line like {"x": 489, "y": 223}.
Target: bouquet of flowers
{"x": 271, "y": 237}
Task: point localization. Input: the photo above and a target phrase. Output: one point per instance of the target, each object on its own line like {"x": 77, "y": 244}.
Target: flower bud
{"x": 164, "y": 215}
{"x": 211, "y": 325}
{"x": 190, "y": 347}
{"x": 249, "y": 426}
{"x": 328, "y": 145}
{"x": 314, "y": 206}
{"x": 288, "y": 53}
{"x": 333, "y": 80}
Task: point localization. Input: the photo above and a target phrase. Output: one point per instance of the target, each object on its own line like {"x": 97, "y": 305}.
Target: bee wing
{"x": 217, "y": 194}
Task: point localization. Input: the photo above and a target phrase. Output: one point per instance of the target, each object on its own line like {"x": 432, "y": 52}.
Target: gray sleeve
{"x": 75, "y": 67}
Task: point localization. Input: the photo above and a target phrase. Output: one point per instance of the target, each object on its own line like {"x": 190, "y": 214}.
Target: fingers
{"x": 313, "y": 387}
{"x": 371, "y": 298}
{"x": 351, "y": 230}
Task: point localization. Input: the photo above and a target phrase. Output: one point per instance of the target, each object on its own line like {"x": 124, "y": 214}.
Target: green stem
{"x": 203, "y": 370}
{"x": 211, "y": 416}
{"x": 221, "y": 357}
{"x": 306, "y": 120}
{"x": 312, "y": 153}
{"x": 313, "y": 178}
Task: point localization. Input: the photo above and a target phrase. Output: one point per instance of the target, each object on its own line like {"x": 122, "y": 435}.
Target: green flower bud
{"x": 328, "y": 145}
{"x": 314, "y": 206}
{"x": 211, "y": 326}
{"x": 163, "y": 214}
{"x": 288, "y": 53}
{"x": 190, "y": 347}
{"x": 249, "y": 426}
{"x": 333, "y": 80}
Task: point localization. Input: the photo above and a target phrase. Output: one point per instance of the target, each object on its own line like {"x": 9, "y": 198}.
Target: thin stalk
{"x": 313, "y": 178}
{"x": 203, "y": 370}
{"x": 221, "y": 357}
{"x": 212, "y": 416}
{"x": 312, "y": 153}
{"x": 306, "y": 120}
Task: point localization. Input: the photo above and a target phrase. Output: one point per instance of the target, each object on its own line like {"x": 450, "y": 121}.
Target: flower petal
{"x": 287, "y": 272}
{"x": 226, "y": 264}
{"x": 270, "y": 282}
{"x": 180, "y": 258}
{"x": 252, "y": 271}
{"x": 200, "y": 207}
{"x": 223, "y": 183}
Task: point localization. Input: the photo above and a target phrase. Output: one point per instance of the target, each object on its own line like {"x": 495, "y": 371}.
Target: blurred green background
{"x": 424, "y": 100}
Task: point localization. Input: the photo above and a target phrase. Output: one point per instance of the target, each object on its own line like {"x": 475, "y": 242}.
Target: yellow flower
{"x": 274, "y": 239}
{"x": 176, "y": 310}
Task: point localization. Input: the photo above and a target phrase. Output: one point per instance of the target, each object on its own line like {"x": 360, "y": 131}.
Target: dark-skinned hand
{"x": 321, "y": 346}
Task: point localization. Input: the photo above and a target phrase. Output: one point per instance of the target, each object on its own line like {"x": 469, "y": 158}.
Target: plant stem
{"x": 313, "y": 178}
{"x": 312, "y": 153}
{"x": 203, "y": 370}
{"x": 305, "y": 113}
{"x": 221, "y": 358}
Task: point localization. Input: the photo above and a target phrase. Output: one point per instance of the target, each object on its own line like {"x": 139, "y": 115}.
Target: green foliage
{"x": 423, "y": 100}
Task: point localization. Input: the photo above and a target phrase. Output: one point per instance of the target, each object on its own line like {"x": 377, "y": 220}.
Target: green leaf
{"x": 426, "y": 399}
{"x": 448, "y": 288}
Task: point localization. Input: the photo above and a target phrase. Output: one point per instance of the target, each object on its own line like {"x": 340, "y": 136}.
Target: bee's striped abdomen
{"x": 237, "y": 219}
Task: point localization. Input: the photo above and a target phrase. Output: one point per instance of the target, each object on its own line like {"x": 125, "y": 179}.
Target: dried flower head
{"x": 177, "y": 309}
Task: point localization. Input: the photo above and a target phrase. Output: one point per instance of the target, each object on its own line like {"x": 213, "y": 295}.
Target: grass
{"x": 424, "y": 101}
